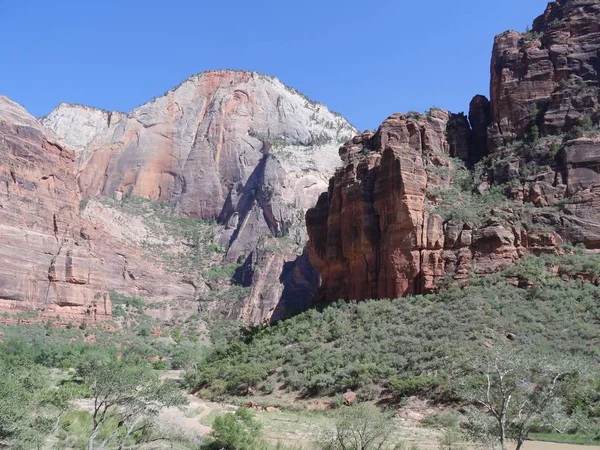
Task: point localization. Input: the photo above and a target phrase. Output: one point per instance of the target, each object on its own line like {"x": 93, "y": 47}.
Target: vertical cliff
{"x": 435, "y": 197}
{"x": 237, "y": 148}
{"x": 46, "y": 262}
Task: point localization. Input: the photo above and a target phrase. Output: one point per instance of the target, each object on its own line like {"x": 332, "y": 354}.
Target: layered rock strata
{"x": 236, "y": 147}
{"x": 378, "y": 231}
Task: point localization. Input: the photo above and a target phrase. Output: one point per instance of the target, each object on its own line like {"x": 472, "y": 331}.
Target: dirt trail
{"x": 537, "y": 445}
{"x": 199, "y": 413}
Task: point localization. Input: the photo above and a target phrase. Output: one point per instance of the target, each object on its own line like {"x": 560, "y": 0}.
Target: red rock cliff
{"x": 388, "y": 227}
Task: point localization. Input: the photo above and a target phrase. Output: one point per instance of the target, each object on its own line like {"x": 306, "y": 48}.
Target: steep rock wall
{"x": 237, "y": 147}
{"x": 387, "y": 225}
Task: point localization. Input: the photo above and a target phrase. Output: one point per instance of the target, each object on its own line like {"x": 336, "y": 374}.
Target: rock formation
{"x": 547, "y": 77}
{"x": 52, "y": 260}
{"x": 426, "y": 198}
{"x": 45, "y": 261}
{"x": 404, "y": 214}
{"x": 237, "y": 148}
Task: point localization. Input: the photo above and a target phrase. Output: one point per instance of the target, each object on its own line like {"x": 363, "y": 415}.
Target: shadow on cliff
{"x": 300, "y": 284}
{"x": 298, "y": 278}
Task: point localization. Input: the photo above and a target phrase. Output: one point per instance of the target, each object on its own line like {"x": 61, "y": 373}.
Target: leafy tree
{"x": 130, "y": 396}
{"x": 512, "y": 392}
{"x": 30, "y": 410}
{"x": 450, "y": 439}
{"x": 239, "y": 431}
{"x": 360, "y": 427}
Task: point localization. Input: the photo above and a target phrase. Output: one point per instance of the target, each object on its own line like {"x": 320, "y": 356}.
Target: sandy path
{"x": 189, "y": 419}
{"x": 537, "y": 445}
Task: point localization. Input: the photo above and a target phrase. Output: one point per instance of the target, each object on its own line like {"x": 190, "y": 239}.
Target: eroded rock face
{"x": 53, "y": 259}
{"x": 548, "y": 81}
{"x": 377, "y": 232}
{"x": 44, "y": 263}
{"x": 198, "y": 145}
{"x": 75, "y": 126}
{"x": 549, "y": 76}
{"x": 237, "y": 147}
{"x": 371, "y": 234}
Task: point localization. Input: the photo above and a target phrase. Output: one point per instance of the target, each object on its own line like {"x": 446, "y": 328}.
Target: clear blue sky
{"x": 364, "y": 59}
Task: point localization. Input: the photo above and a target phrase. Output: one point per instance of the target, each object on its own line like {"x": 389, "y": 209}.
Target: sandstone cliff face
{"x": 403, "y": 215}
{"x": 236, "y": 147}
{"x": 549, "y": 76}
{"x": 53, "y": 259}
{"x": 45, "y": 262}
{"x": 198, "y": 145}
{"x": 376, "y": 234}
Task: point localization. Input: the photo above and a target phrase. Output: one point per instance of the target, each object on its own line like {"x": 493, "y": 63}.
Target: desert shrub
{"x": 444, "y": 419}
{"x": 121, "y": 301}
{"x": 412, "y": 385}
{"x": 359, "y": 427}
{"x": 160, "y": 218}
{"x": 221, "y": 272}
{"x": 411, "y": 344}
{"x": 239, "y": 431}
{"x": 232, "y": 293}
{"x": 463, "y": 206}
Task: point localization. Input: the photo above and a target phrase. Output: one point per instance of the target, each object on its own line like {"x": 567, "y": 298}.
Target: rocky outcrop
{"x": 546, "y": 83}
{"x": 237, "y": 147}
{"x": 402, "y": 215}
{"x": 371, "y": 234}
{"x": 378, "y": 231}
{"x": 547, "y": 77}
{"x": 45, "y": 262}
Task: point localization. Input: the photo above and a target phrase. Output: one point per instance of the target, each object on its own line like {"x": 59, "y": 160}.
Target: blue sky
{"x": 364, "y": 59}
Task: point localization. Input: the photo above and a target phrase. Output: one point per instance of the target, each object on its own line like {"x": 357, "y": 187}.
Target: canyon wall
{"x": 53, "y": 260}
{"x": 432, "y": 198}
{"x": 238, "y": 152}
{"x": 46, "y": 262}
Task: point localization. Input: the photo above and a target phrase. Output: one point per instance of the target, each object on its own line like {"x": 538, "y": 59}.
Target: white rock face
{"x": 235, "y": 146}
{"x": 76, "y": 125}
{"x": 198, "y": 145}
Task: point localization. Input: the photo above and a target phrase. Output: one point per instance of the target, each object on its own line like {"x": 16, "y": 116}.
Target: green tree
{"x": 30, "y": 409}
{"x": 450, "y": 439}
{"x": 512, "y": 391}
{"x": 361, "y": 427}
{"x": 126, "y": 399}
{"x": 239, "y": 431}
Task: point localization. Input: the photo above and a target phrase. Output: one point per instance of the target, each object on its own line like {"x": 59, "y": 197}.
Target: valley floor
{"x": 301, "y": 429}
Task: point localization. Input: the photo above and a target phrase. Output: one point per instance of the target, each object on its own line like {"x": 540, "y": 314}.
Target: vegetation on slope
{"x": 385, "y": 350}
{"x": 183, "y": 244}
{"x": 396, "y": 348}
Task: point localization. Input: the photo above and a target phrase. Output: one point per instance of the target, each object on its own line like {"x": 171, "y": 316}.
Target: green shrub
{"x": 160, "y": 365}
{"x": 121, "y": 301}
{"x": 412, "y": 385}
{"x": 221, "y": 272}
{"x": 410, "y": 344}
{"x": 239, "y": 431}
{"x": 144, "y": 330}
{"x": 444, "y": 419}
{"x": 198, "y": 237}
{"x": 460, "y": 206}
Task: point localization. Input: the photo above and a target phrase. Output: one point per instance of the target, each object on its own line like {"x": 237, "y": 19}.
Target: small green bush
{"x": 121, "y": 301}
{"x": 239, "y": 431}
